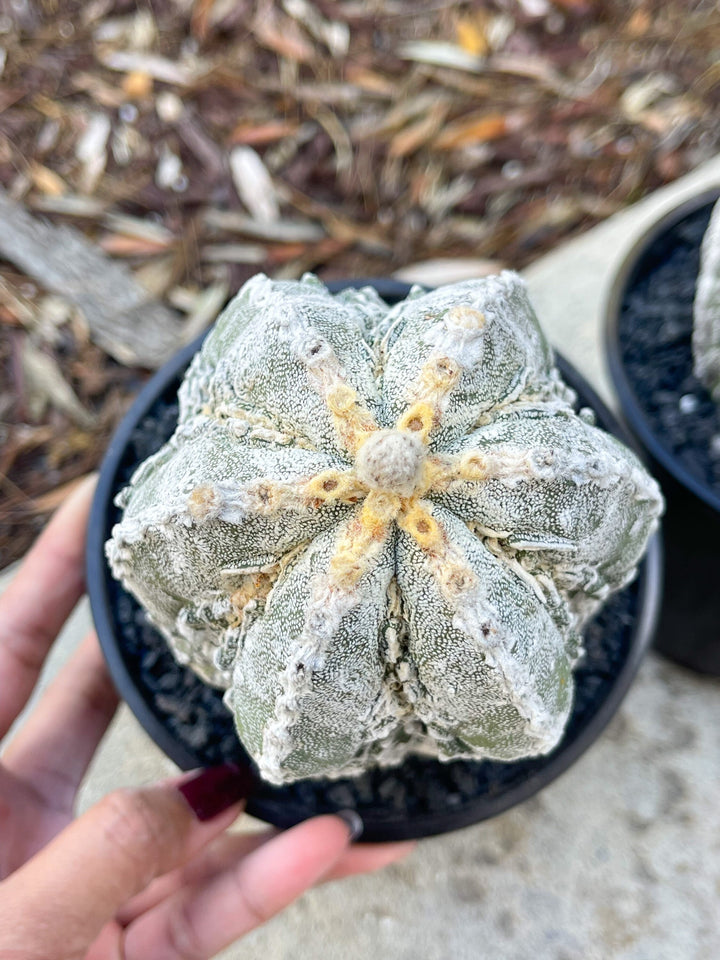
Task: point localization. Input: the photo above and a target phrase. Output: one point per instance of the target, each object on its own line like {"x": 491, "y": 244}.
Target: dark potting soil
{"x": 420, "y": 790}
{"x": 654, "y": 332}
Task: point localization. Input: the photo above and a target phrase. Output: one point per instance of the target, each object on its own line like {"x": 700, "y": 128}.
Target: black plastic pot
{"x": 422, "y": 797}
{"x": 648, "y": 330}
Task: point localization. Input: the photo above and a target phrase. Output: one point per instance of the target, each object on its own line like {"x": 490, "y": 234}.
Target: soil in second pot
{"x": 654, "y": 332}
{"x": 422, "y": 796}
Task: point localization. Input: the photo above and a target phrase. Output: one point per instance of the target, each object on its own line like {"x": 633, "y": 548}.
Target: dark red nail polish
{"x": 217, "y": 788}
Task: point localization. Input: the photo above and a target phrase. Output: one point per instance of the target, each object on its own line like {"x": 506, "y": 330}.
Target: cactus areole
{"x": 381, "y": 530}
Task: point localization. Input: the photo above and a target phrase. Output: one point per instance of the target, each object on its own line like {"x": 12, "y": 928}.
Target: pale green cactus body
{"x": 382, "y": 530}
{"x": 706, "y": 309}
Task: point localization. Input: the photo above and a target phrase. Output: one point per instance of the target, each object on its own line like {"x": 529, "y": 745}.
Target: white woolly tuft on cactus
{"x": 706, "y": 310}
{"x": 381, "y": 530}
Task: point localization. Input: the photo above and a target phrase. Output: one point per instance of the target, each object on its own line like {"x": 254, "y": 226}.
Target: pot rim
{"x": 376, "y": 830}
{"x": 632, "y": 410}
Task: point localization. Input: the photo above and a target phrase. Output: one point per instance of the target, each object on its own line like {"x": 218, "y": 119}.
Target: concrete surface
{"x": 619, "y": 859}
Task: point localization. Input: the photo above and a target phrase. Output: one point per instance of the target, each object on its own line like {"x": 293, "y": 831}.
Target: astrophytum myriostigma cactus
{"x": 379, "y": 529}
{"x": 706, "y": 309}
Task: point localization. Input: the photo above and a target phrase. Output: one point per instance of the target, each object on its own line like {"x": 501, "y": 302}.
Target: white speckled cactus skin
{"x": 381, "y": 530}
{"x": 706, "y": 311}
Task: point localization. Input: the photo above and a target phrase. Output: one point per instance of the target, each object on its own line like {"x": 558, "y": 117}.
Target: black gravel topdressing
{"x": 419, "y": 798}
{"x": 654, "y": 331}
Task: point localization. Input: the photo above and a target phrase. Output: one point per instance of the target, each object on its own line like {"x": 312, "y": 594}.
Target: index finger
{"x": 39, "y": 600}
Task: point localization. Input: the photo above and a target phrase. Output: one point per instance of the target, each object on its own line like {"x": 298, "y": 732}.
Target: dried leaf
{"x": 481, "y": 128}
{"x": 639, "y": 23}
{"x": 200, "y": 18}
{"x": 121, "y": 245}
{"x": 418, "y": 134}
{"x": 281, "y": 35}
{"x": 472, "y": 35}
{"x": 260, "y": 134}
{"x": 47, "y": 181}
{"x": 370, "y": 81}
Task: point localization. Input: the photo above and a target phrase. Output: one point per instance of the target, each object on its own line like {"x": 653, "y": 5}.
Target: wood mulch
{"x": 201, "y": 141}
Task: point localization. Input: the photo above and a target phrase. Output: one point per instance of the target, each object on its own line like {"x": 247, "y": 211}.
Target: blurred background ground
{"x": 201, "y": 141}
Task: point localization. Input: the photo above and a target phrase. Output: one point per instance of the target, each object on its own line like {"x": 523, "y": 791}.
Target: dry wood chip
{"x": 233, "y": 253}
{"x": 335, "y": 35}
{"x": 282, "y": 231}
{"x": 339, "y": 136}
{"x": 140, "y": 228}
{"x": 157, "y": 275}
{"x": 169, "y": 170}
{"x": 260, "y": 134}
{"x": 440, "y": 54}
{"x": 169, "y": 106}
{"x": 370, "y": 81}
{"x": 478, "y": 128}
{"x": 282, "y": 35}
{"x": 159, "y": 68}
{"x": 534, "y": 68}
{"x": 121, "y": 245}
{"x": 196, "y": 139}
{"x": 122, "y": 319}
{"x": 405, "y": 111}
{"x": 205, "y": 309}
{"x": 434, "y": 273}
{"x": 254, "y": 184}
{"x": 104, "y": 94}
{"x": 91, "y": 150}
{"x": 645, "y": 92}
{"x": 70, "y": 205}
{"x": 46, "y": 385}
{"x": 418, "y": 134}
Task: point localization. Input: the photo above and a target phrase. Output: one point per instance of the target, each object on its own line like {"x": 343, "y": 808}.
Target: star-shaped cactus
{"x": 381, "y": 530}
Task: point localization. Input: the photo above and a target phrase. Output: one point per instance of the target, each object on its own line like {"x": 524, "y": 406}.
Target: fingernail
{"x": 354, "y": 822}
{"x": 216, "y": 789}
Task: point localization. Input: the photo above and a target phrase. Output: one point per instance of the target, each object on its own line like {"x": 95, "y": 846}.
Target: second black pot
{"x": 189, "y": 722}
{"x": 671, "y": 414}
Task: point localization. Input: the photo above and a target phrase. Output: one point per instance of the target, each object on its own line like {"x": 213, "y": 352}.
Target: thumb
{"x": 78, "y": 882}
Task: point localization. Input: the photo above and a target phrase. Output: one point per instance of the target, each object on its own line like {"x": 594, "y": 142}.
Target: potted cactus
{"x": 379, "y": 542}
{"x": 663, "y": 340}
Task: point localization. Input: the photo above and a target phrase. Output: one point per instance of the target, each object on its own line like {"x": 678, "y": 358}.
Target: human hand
{"x": 144, "y": 873}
